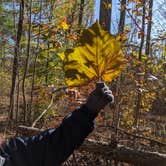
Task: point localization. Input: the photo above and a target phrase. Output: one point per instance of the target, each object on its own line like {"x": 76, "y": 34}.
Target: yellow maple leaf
{"x": 97, "y": 56}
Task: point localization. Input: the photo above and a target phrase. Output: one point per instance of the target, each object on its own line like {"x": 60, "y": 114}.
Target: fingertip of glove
{"x": 100, "y": 85}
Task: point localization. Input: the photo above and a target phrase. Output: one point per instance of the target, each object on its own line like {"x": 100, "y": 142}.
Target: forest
{"x": 52, "y": 54}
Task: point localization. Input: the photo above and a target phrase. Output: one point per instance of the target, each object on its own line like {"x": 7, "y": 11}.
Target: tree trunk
{"x": 139, "y": 70}
{"x": 14, "y": 20}
{"x": 105, "y": 14}
{"x": 149, "y": 28}
{"x": 35, "y": 62}
{"x": 122, "y": 16}
{"x": 81, "y": 12}
{"x": 17, "y": 99}
{"x": 47, "y": 65}
{"x": 17, "y": 79}
{"x": 27, "y": 63}
{"x": 15, "y": 61}
{"x": 142, "y": 30}
{"x": 125, "y": 154}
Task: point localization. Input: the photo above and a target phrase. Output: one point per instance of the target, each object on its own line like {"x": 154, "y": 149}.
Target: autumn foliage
{"x": 52, "y": 53}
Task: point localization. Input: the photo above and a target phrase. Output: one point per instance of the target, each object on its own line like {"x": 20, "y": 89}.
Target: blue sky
{"x": 97, "y": 4}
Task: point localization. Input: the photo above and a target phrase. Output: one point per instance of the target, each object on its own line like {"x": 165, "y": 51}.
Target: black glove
{"x": 99, "y": 98}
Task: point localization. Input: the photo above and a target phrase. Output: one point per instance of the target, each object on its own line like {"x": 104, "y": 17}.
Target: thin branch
{"x": 128, "y": 11}
{"x": 44, "y": 112}
{"x": 49, "y": 106}
{"x": 136, "y": 135}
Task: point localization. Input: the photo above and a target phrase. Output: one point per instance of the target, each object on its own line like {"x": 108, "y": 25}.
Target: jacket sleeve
{"x": 53, "y": 146}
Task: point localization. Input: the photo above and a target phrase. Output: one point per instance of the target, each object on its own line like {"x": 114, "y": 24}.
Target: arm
{"x": 54, "y": 146}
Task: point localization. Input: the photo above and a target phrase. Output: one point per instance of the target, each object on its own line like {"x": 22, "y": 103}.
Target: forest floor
{"x": 3, "y": 114}
{"x": 102, "y": 133}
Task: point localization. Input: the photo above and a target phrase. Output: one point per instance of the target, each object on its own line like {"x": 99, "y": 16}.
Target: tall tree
{"x": 149, "y": 28}
{"x": 47, "y": 65}
{"x": 139, "y": 70}
{"x": 105, "y": 14}
{"x": 122, "y": 16}
{"x": 16, "y": 57}
{"x": 142, "y": 29}
{"x": 27, "y": 60}
{"x": 81, "y": 12}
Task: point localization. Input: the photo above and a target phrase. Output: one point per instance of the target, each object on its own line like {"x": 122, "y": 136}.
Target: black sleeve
{"x": 53, "y": 146}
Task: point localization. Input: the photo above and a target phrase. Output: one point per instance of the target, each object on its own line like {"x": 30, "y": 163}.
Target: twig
{"x": 133, "y": 19}
{"x": 49, "y": 106}
{"x": 42, "y": 114}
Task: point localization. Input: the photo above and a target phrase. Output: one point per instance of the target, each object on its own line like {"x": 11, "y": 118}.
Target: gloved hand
{"x": 99, "y": 98}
